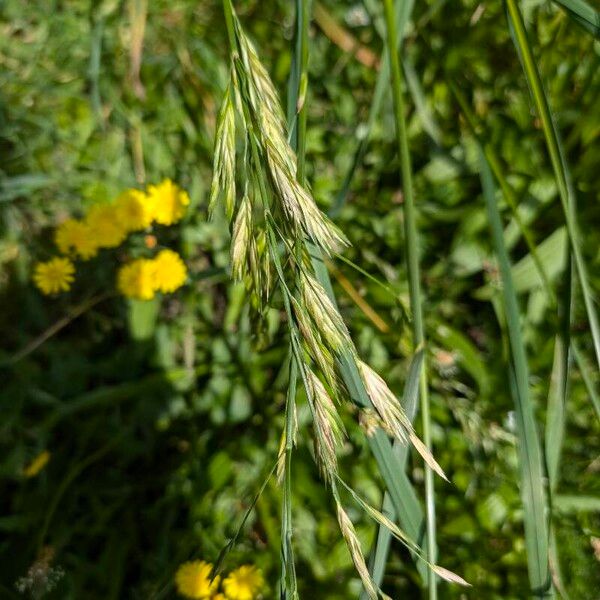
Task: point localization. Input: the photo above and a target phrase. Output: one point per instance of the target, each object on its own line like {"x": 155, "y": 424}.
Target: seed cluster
{"x": 274, "y": 225}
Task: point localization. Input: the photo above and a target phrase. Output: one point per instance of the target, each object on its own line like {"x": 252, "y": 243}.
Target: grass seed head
{"x": 329, "y": 429}
{"x": 240, "y": 239}
{"x": 349, "y": 533}
{"x": 223, "y": 182}
{"x": 324, "y": 314}
{"x": 314, "y": 345}
{"x": 392, "y": 414}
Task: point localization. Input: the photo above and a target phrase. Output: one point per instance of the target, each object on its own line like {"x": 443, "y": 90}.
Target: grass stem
{"x": 412, "y": 257}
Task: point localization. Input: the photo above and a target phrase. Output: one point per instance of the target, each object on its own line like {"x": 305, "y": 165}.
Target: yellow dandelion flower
{"x": 106, "y": 226}
{"x": 169, "y": 202}
{"x": 136, "y": 279}
{"x": 134, "y": 209}
{"x": 219, "y": 596}
{"x": 63, "y": 235}
{"x": 243, "y": 583}
{"x": 75, "y": 236}
{"x": 54, "y": 276}
{"x": 37, "y": 464}
{"x": 193, "y": 580}
{"x": 169, "y": 271}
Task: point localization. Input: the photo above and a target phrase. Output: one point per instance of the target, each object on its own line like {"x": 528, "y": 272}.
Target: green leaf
{"x": 570, "y": 504}
{"x": 551, "y": 253}
{"x": 141, "y": 318}
{"x": 530, "y": 455}
{"x": 583, "y": 14}
{"x": 559, "y": 163}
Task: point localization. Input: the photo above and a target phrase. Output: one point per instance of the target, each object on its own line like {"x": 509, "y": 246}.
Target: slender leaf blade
{"x": 530, "y": 455}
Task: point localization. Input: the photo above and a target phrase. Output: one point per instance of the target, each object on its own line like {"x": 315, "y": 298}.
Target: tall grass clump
{"x": 276, "y": 227}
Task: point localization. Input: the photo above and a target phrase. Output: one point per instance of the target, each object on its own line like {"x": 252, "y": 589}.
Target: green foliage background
{"x": 163, "y": 421}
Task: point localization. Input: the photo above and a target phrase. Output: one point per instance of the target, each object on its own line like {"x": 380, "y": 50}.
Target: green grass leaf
{"x": 530, "y": 455}
{"x": 559, "y": 163}
{"x": 583, "y": 14}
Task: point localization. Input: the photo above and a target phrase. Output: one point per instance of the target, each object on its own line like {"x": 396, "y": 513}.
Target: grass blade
{"x": 559, "y": 163}
{"x": 530, "y": 456}
{"x": 583, "y": 14}
{"x": 588, "y": 381}
{"x": 411, "y": 244}
{"x": 509, "y": 195}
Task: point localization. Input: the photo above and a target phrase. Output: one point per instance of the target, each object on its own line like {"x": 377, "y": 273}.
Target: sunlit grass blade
{"x": 582, "y": 13}
{"x": 530, "y": 455}
{"x": 559, "y": 163}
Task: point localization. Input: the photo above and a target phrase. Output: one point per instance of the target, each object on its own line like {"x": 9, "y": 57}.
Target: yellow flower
{"x": 243, "y": 583}
{"x": 54, "y": 276}
{"x": 63, "y": 235}
{"x": 37, "y": 464}
{"x": 106, "y": 226}
{"x": 134, "y": 210}
{"x": 136, "y": 279}
{"x": 218, "y": 597}
{"x": 73, "y": 235}
{"x": 169, "y": 271}
{"x": 169, "y": 202}
{"x": 193, "y": 580}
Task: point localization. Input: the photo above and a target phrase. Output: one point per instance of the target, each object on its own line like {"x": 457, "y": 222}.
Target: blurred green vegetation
{"x": 163, "y": 421}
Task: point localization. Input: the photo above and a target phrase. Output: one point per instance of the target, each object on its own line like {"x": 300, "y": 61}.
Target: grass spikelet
{"x": 324, "y": 314}
{"x": 385, "y": 402}
{"x": 349, "y": 533}
{"x": 223, "y": 182}
{"x": 314, "y": 345}
{"x": 392, "y": 414}
{"x": 328, "y": 426}
{"x": 449, "y": 576}
{"x": 240, "y": 239}
{"x": 299, "y": 206}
